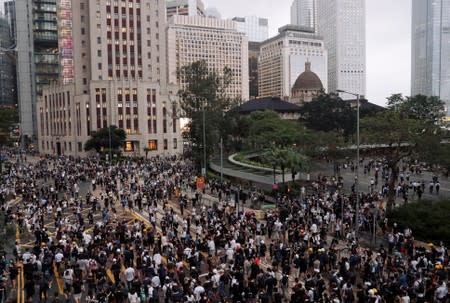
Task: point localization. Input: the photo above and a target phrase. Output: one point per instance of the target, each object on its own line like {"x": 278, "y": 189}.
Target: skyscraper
{"x": 113, "y": 72}
{"x": 303, "y": 13}
{"x": 430, "y": 66}
{"x": 185, "y": 8}
{"x": 282, "y": 59}
{"x": 10, "y": 13}
{"x": 342, "y": 25}
{"x": 7, "y": 69}
{"x": 37, "y": 57}
{"x": 217, "y": 42}
{"x": 256, "y": 29}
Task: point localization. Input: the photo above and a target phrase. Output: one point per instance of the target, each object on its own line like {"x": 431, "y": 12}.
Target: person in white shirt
{"x": 157, "y": 259}
{"x": 198, "y": 292}
{"x": 441, "y": 292}
{"x": 129, "y": 275}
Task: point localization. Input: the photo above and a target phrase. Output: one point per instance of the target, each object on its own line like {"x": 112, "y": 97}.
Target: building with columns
{"x": 112, "y": 72}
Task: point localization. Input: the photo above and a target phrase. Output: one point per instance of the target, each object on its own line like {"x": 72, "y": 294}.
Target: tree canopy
{"x": 328, "y": 112}
{"x": 107, "y": 137}
{"x": 407, "y": 131}
{"x": 205, "y": 96}
{"x": 266, "y": 128}
{"x": 9, "y": 118}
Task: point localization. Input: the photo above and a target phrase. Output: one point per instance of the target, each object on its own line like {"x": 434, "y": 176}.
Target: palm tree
{"x": 270, "y": 157}
{"x": 297, "y": 162}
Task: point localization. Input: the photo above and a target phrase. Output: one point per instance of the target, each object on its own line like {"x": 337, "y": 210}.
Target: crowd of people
{"x": 141, "y": 231}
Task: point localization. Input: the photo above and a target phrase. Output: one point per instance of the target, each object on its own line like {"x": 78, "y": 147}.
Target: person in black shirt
{"x": 77, "y": 287}
{"x": 44, "y": 285}
{"x": 29, "y": 290}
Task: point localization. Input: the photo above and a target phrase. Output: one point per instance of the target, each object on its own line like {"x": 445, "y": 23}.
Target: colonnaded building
{"x": 113, "y": 72}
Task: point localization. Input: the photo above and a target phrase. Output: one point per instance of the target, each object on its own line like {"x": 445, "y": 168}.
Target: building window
{"x": 153, "y": 144}
{"x": 129, "y": 146}
{"x": 175, "y": 143}
{"x": 166, "y": 144}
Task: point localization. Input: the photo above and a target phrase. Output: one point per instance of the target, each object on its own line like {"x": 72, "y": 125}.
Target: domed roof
{"x": 307, "y": 80}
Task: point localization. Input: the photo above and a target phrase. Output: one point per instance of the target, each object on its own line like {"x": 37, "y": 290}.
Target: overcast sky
{"x": 388, "y": 38}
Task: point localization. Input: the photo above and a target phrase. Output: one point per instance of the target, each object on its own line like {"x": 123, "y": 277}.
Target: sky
{"x": 388, "y": 38}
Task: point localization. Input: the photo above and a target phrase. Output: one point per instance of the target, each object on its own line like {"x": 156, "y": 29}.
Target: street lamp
{"x": 204, "y": 139}
{"x": 203, "y": 100}
{"x": 357, "y": 159}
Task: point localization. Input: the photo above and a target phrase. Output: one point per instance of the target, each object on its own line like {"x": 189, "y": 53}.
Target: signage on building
{"x": 65, "y": 40}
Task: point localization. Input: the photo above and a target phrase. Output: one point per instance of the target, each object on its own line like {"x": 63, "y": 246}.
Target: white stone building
{"x": 282, "y": 59}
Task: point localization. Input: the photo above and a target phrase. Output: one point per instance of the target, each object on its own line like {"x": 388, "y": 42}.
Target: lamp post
{"x": 357, "y": 160}
{"x": 204, "y": 139}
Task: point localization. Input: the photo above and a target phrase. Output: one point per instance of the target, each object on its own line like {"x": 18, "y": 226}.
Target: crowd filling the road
{"x": 141, "y": 231}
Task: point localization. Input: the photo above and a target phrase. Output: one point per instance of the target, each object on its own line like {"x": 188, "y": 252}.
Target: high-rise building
{"x": 9, "y": 10}
{"x": 303, "y": 13}
{"x": 282, "y": 59}
{"x": 7, "y": 66}
{"x": 37, "y": 57}
{"x": 185, "y": 8}
{"x": 215, "y": 41}
{"x": 342, "y": 25}
{"x": 256, "y": 29}
{"x": 113, "y": 72}
{"x": 430, "y": 66}
{"x": 253, "y": 55}
{"x": 213, "y": 12}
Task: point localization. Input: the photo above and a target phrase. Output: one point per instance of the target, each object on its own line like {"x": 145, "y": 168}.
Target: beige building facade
{"x": 190, "y": 39}
{"x": 282, "y": 59}
{"x": 113, "y": 58}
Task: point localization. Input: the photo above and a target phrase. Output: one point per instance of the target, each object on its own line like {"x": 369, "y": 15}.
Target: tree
{"x": 107, "y": 137}
{"x": 204, "y": 96}
{"x": 327, "y": 113}
{"x": 278, "y": 157}
{"x": 315, "y": 143}
{"x": 405, "y": 132}
{"x": 9, "y": 119}
{"x": 266, "y": 129}
{"x": 297, "y": 162}
{"x": 420, "y": 107}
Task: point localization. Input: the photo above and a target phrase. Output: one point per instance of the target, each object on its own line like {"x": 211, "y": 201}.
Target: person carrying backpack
{"x": 419, "y": 289}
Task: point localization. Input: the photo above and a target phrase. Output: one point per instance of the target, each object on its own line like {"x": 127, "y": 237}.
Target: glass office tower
{"x": 430, "y": 66}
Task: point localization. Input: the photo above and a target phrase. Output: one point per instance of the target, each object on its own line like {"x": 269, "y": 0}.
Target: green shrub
{"x": 428, "y": 220}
